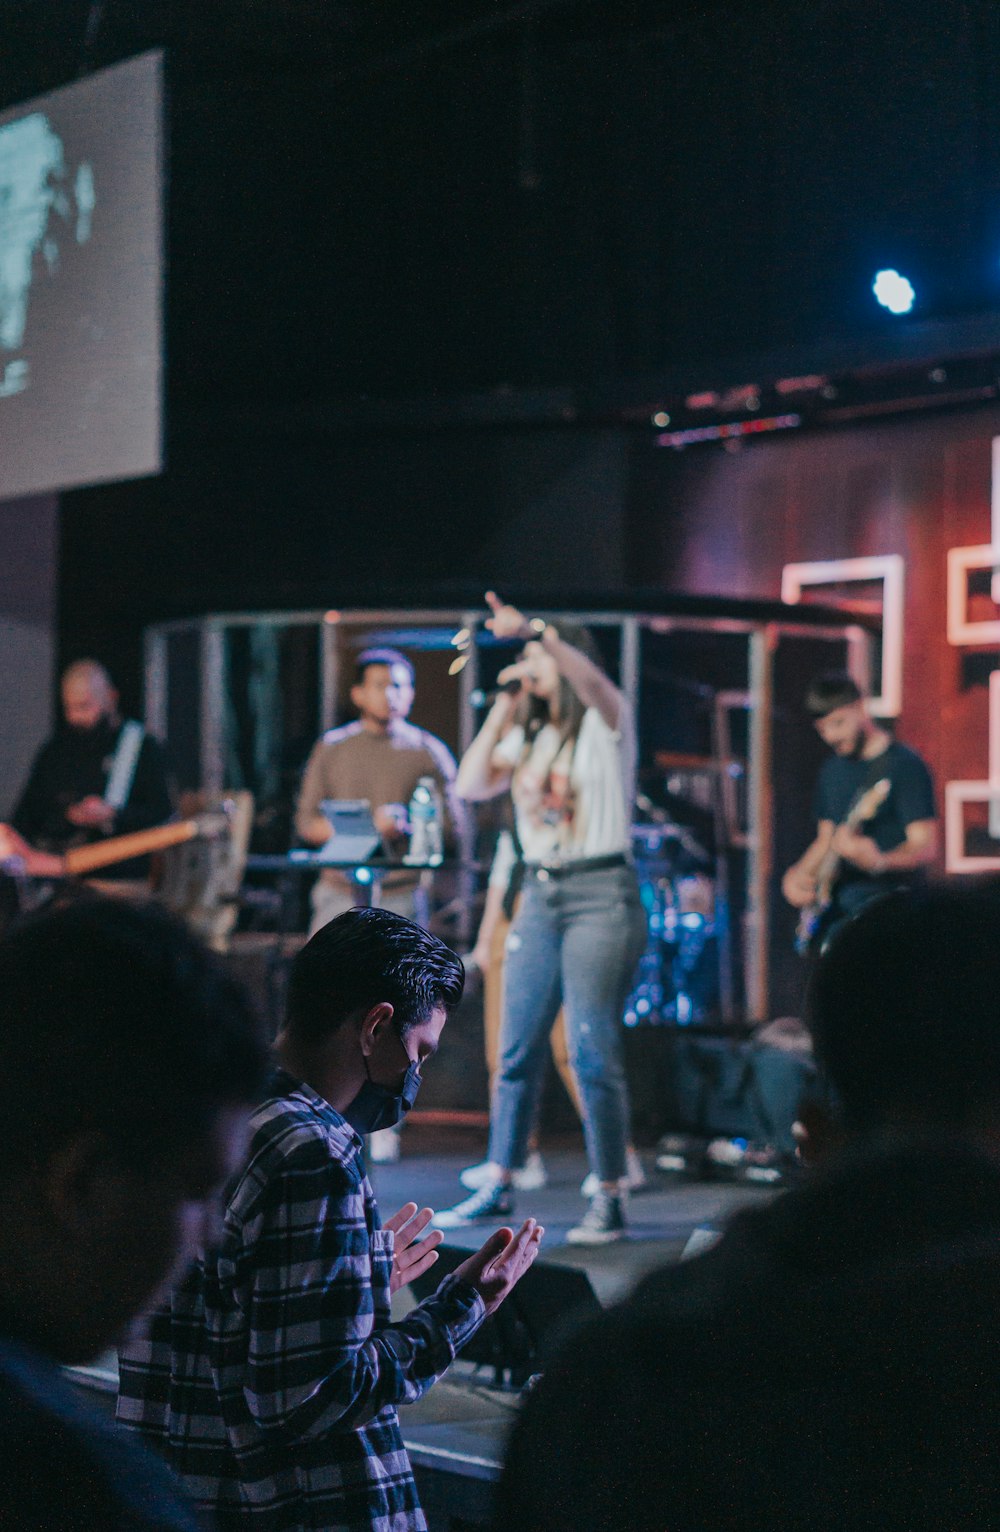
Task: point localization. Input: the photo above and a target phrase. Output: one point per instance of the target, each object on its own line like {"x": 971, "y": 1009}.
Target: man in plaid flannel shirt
{"x": 271, "y": 1379}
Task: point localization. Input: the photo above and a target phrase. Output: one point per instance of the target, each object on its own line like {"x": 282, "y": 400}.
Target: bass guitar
{"x": 815, "y": 917}
{"x": 25, "y": 861}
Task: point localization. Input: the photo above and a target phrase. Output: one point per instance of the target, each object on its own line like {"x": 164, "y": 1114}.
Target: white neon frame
{"x": 995, "y": 512}
{"x": 890, "y": 569}
{"x": 960, "y": 561}
{"x": 961, "y": 632}
{"x": 956, "y": 794}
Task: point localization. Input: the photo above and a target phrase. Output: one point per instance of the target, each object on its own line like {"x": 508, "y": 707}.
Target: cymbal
{"x": 667, "y": 840}
{"x": 654, "y": 834}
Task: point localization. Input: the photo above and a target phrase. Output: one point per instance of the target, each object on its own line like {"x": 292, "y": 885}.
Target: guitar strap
{"x": 516, "y": 882}
{"x": 123, "y": 765}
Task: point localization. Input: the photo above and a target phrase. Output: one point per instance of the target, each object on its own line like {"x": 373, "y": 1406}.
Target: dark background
{"x": 431, "y": 268}
{"x": 420, "y": 256}
{"x": 404, "y": 200}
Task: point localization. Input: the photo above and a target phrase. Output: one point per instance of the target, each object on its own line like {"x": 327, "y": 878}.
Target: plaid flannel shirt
{"x": 271, "y": 1378}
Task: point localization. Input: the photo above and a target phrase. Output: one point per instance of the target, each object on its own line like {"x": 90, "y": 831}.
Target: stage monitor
{"x": 517, "y": 1340}
{"x": 81, "y": 271}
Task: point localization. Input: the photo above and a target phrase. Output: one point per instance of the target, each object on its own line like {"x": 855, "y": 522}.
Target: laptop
{"x": 353, "y": 836}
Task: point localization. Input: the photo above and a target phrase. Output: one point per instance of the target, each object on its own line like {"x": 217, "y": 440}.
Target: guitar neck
{"x": 831, "y": 863}
{"x": 121, "y": 848}
{"x": 826, "y": 876}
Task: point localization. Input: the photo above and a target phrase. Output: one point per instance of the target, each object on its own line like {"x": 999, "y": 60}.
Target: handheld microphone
{"x": 479, "y": 698}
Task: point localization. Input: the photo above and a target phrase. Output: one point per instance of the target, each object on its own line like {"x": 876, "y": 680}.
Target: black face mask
{"x": 377, "y": 1106}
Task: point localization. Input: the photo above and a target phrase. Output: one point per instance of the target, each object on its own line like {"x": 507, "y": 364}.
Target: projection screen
{"x": 81, "y": 272}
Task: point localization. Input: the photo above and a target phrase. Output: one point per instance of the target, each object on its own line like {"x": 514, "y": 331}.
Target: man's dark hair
{"x": 904, "y": 1008}
{"x": 364, "y": 957}
{"x": 116, "y": 1020}
{"x": 830, "y": 690}
{"x": 380, "y": 656}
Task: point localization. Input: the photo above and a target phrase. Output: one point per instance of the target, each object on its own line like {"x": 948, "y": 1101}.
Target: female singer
{"x": 562, "y": 744}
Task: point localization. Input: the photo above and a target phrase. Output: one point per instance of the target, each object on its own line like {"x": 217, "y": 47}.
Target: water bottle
{"x": 426, "y": 829}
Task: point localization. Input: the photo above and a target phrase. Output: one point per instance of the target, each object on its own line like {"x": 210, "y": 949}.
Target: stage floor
{"x": 662, "y": 1216}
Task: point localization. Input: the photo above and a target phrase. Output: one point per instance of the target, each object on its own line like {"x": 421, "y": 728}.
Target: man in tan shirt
{"x": 380, "y": 757}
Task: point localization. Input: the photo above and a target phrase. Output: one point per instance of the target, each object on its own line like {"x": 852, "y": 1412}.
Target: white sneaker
{"x": 383, "y": 1146}
{"x": 726, "y": 1153}
{"x": 530, "y": 1178}
{"x": 679, "y": 1152}
{"x": 633, "y": 1180}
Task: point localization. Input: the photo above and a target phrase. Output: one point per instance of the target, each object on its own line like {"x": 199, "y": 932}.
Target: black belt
{"x": 545, "y": 870}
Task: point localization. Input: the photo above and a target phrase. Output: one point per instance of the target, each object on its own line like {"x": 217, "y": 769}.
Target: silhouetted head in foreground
{"x": 904, "y": 1008}
{"x": 129, "y": 1060}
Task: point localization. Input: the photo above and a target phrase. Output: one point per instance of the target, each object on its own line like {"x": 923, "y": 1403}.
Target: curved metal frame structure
{"x": 762, "y": 624}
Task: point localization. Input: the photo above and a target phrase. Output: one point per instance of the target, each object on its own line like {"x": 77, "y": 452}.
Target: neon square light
{"x": 956, "y": 796}
{"x": 960, "y": 561}
{"x": 889, "y": 568}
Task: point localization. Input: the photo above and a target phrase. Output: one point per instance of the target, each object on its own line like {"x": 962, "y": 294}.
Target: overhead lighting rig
{"x": 748, "y": 410}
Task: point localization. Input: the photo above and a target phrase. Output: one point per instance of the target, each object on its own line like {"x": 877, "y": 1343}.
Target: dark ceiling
{"x": 403, "y": 208}
{"x": 449, "y": 195}
{"x": 47, "y": 42}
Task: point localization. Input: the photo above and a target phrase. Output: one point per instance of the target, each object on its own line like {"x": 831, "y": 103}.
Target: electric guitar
{"x": 814, "y": 917}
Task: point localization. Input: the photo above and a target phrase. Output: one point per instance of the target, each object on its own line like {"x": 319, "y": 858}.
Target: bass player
{"x": 98, "y": 776}
{"x": 876, "y": 825}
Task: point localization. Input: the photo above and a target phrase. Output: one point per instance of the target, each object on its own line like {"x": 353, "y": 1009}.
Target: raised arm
{"x": 588, "y": 680}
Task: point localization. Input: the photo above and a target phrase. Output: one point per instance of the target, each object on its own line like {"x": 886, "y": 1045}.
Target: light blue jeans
{"x": 576, "y": 941}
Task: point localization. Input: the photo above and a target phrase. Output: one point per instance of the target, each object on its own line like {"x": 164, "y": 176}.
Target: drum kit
{"x": 677, "y": 979}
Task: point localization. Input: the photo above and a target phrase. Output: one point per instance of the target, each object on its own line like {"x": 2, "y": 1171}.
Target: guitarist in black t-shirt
{"x": 876, "y": 825}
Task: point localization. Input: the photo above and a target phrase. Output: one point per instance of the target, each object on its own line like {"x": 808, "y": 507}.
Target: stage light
{"x": 893, "y": 291}
{"x": 661, "y": 418}
{"x": 728, "y": 431}
{"x": 809, "y": 383}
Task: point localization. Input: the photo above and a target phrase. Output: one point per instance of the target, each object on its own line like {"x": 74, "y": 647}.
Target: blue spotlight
{"x": 893, "y": 291}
